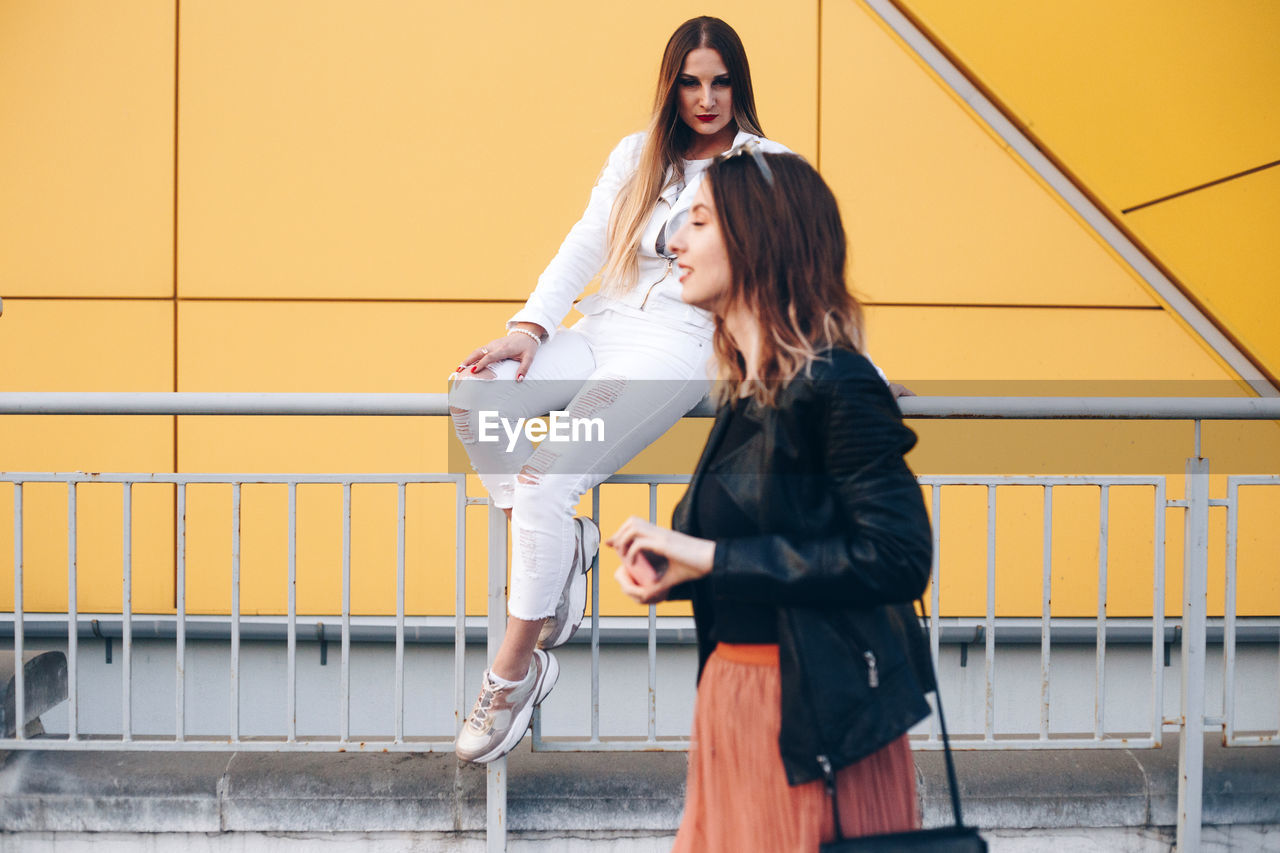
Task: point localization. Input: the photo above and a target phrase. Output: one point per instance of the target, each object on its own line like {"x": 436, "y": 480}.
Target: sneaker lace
{"x": 480, "y": 713}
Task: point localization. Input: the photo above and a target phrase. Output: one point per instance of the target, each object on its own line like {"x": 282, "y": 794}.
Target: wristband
{"x": 537, "y": 340}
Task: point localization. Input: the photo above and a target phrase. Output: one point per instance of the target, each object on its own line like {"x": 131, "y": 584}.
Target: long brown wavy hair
{"x": 787, "y": 257}
{"x": 667, "y": 140}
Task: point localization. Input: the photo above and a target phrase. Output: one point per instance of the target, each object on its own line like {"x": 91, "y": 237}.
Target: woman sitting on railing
{"x": 637, "y": 362}
{"x": 802, "y": 538}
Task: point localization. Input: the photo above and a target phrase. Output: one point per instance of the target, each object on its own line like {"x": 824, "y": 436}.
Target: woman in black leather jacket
{"x": 802, "y": 539}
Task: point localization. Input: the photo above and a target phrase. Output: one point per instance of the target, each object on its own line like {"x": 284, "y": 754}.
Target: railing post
{"x": 1194, "y": 601}
{"x": 496, "y": 771}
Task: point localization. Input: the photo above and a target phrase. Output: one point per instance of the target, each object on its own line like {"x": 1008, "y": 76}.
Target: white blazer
{"x": 581, "y": 256}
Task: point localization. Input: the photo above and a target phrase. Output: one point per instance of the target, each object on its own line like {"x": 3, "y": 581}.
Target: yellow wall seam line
{"x": 1204, "y": 186}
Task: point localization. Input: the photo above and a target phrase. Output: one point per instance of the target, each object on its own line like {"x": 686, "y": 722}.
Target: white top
{"x": 656, "y": 294}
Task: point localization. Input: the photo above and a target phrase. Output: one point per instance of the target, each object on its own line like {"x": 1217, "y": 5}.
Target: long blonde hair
{"x": 787, "y": 257}
{"x": 667, "y": 140}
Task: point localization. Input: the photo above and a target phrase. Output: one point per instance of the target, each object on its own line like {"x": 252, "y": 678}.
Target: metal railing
{"x": 1193, "y": 626}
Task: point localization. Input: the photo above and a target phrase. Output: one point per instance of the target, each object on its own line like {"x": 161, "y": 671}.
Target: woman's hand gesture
{"x": 516, "y": 346}
{"x": 654, "y": 559}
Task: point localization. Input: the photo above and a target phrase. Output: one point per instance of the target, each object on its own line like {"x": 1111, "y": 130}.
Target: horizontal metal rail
{"x": 421, "y": 405}
{"x": 614, "y": 630}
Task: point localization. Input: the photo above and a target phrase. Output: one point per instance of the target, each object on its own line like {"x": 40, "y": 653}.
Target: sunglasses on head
{"x": 677, "y": 221}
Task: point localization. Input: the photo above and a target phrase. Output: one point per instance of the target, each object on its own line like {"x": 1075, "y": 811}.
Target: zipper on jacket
{"x": 873, "y": 674}
{"x": 828, "y": 775}
{"x": 665, "y": 273}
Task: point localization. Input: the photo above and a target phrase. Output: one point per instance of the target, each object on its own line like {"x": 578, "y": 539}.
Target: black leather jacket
{"x": 845, "y": 548}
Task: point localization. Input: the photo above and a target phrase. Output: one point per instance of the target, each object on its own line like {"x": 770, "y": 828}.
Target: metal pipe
{"x": 1194, "y": 602}
{"x": 126, "y": 617}
{"x": 1100, "y": 645}
{"x": 73, "y": 640}
{"x": 344, "y": 730}
{"x": 1157, "y": 614}
{"x": 1046, "y": 611}
{"x": 417, "y": 405}
{"x": 180, "y": 619}
{"x": 399, "y": 687}
{"x": 625, "y": 630}
{"x": 19, "y": 674}
{"x": 460, "y": 505}
{"x": 935, "y": 593}
{"x": 653, "y": 635}
{"x": 291, "y": 628}
{"x": 595, "y": 631}
{"x": 235, "y": 613}
{"x": 496, "y": 771}
{"x": 990, "y": 652}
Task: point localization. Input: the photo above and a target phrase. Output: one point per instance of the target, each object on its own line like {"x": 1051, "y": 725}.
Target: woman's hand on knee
{"x": 516, "y": 346}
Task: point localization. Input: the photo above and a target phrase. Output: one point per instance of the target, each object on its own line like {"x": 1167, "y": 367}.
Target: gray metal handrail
{"x": 420, "y": 405}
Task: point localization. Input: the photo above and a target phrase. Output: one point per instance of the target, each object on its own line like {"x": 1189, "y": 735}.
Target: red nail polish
{"x": 473, "y": 367}
{"x": 519, "y": 377}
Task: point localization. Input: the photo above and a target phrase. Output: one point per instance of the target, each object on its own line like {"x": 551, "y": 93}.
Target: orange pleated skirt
{"x": 737, "y": 798}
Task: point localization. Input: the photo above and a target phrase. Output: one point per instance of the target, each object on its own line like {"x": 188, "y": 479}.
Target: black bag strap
{"x": 952, "y": 782}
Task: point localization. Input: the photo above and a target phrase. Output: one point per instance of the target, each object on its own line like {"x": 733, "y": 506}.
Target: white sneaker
{"x": 501, "y": 714}
{"x": 563, "y": 624}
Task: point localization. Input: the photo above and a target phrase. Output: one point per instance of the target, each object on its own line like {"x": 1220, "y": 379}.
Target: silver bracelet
{"x": 537, "y": 340}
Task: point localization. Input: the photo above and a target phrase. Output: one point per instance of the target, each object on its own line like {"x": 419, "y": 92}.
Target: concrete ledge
{"x": 596, "y": 794}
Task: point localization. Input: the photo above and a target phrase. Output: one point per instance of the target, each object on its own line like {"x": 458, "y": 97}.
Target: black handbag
{"x": 944, "y": 839}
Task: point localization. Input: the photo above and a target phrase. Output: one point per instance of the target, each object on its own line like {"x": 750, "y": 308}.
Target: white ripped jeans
{"x": 637, "y": 376}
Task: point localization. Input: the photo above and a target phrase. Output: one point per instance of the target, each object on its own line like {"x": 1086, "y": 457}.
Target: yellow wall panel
{"x": 1224, "y": 243}
{"x": 1140, "y": 99}
{"x": 1258, "y": 553}
{"x": 409, "y": 150}
{"x": 86, "y": 148}
{"x": 78, "y": 345}
{"x": 936, "y": 208}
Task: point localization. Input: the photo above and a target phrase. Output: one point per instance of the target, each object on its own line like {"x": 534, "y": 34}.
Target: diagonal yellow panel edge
{"x": 1174, "y": 296}
{"x": 937, "y": 208}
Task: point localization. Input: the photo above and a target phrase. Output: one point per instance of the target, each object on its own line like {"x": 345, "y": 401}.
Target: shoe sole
{"x": 578, "y": 591}
{"x": 521, "y": 723}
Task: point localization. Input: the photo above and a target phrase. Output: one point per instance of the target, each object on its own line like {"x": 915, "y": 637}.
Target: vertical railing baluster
{"x": 595, "y": 630}
{"x": 291, "y": 652}
{"x": 1194, "y": 600}
{"x": 1229, "y": 620}
{"x": 1100, "y": 643}
{"x": 1157, "y": 611}
{"x": 400, "y": 511}
{"x": 653, "y": 634}
{"x": 19, "y": 676}
{"x": 126, "y": 651}
{"x": 73, "y": 618}
{"x": 459, "y": 604}
{"x": 1046, "y": 611}
{"x": 935, "y": 595}
{"x": 235, "y": 612}
{"x": 990, "y": 652}
{"x": 345, "y": 677}
{"x": 180, "y": 619}
{"x": 496, "y": 771}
